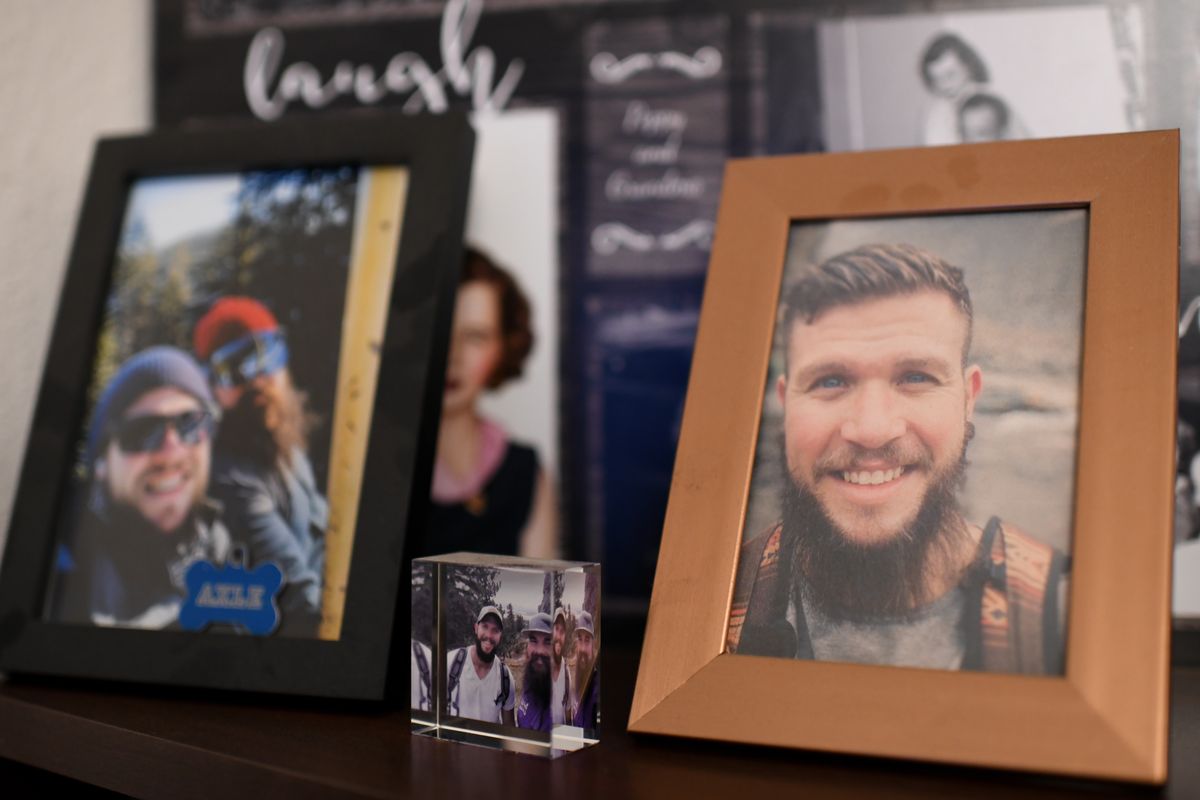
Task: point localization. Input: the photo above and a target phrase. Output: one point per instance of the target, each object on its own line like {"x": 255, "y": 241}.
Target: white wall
{"x": 513, "y": 216}
{"x": 70, "y": 70}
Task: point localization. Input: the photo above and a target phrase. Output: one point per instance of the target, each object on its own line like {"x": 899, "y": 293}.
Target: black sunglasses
{"x": 145, "y": 434}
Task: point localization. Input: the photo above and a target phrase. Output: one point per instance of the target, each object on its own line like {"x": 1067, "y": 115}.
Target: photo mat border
{"x": 1107, "y": 718}
{"x": 436, "y": 151}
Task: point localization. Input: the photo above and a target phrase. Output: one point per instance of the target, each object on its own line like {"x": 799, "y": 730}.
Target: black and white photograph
{"x": 1183, "y": 110}
{"x": 987, "y": 75}
{"x": 913, "y": 488}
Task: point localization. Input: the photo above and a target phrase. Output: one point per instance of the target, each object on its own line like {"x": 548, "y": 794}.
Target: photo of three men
{"x": 479, "y": 683}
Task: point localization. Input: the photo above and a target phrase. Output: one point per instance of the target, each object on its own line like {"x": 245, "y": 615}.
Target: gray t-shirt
{"x": 930, "y": 636}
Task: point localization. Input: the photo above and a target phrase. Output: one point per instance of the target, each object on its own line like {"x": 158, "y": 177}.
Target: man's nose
{"x": 874, "y": 418}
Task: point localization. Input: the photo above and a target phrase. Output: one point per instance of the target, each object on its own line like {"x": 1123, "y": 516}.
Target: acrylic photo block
{"x": 506, "y": 652}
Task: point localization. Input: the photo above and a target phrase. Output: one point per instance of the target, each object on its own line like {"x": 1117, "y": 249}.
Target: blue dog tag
{"x": 231, "y": 594}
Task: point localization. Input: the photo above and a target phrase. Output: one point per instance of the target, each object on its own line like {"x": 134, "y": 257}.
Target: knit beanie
{"x": 155, "y": 368}
{"x": 228, "y": 319}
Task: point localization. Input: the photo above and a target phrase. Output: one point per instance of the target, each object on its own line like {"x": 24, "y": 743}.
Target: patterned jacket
{"x": 1014, "y": 597}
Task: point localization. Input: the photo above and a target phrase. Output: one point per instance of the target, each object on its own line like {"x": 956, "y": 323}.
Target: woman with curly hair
{"x": 490, "y": 494}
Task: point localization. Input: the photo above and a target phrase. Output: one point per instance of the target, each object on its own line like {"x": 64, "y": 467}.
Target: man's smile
{"x": 166, "y": 482}
{"x": 872, "y": 485}
{"x": 872, "y": 477}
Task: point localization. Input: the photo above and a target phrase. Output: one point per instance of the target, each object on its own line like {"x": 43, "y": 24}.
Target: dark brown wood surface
{"x": 160, "y": 743}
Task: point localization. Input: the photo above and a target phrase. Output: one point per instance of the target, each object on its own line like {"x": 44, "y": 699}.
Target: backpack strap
{"x": 456, "y": 668}
{"x": 505, "y": 681}
{"x": 1018, "y": 627}
{"x": 1053, "y": 620}
{"x": 566, "y": 701}
{"x": 755, "y": 588}
{"x": 423, "y": 669}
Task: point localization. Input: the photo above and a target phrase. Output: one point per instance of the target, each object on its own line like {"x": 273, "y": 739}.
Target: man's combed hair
{"x": 873, "y": 272}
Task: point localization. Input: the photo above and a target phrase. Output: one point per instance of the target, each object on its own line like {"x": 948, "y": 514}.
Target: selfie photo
{"x": 913, "y": 490}
{"x": 203, "y": 490}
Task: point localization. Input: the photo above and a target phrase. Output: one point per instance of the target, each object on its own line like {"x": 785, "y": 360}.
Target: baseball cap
{"x": 539, "y": 623}
{"x": 483, "y": 612}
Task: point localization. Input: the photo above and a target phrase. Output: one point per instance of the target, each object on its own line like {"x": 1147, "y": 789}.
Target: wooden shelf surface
{"x": 158, "y": 743}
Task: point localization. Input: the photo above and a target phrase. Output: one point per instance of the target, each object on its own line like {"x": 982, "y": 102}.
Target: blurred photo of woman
{"x": 490, "y": 494}
{"x": 959, "y": 109}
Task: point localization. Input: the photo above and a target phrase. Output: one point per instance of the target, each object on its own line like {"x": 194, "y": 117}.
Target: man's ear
{"x": 973, "y": 380}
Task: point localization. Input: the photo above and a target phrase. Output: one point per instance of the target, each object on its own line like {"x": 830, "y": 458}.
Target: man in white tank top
{"x": 479, "y": 684}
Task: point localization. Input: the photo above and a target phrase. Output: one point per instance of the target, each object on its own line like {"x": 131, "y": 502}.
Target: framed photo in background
{"x": 235, "y": 427}
{"x": 928, "y": 429}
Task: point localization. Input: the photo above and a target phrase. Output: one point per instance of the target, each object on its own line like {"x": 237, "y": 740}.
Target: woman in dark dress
{"x": 490, "y": 494}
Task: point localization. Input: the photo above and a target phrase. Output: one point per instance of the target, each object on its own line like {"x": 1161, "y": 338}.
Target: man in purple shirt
{"x": 587, "y": 674}
{"x": 533, "y": 712}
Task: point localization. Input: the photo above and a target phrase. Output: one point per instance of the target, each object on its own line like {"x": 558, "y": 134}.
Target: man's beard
{"x": 849, "y": 580}
{"x": 266, "y": 426}
{"x": 135, "y": 527}
{"x": 583, "y": 671}
{"x": 537, "y": 682}
{"x": 486, "y": 658}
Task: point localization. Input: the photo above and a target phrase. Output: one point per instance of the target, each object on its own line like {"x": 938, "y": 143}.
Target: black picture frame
{"x": 437, "y": 153}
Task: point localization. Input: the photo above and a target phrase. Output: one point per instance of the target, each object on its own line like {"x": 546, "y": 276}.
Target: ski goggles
{"x": 147, "y": 433}
{"x": 243, "y": 360}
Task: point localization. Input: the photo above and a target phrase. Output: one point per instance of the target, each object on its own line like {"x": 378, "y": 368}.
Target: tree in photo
{"x": 423, "y": 623}
{"x": 467, "y": 590}
{"x": 591, "y": 594}
{"x": 511, "y": 642}
{"x": 553, "y": 584}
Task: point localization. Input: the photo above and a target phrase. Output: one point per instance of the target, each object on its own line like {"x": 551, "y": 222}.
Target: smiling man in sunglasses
{"x": 147, "y": 516}
{"x": 261, "y": 472}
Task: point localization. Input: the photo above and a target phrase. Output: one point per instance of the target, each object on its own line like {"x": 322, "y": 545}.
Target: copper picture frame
{"x": 1106, "y": 717}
